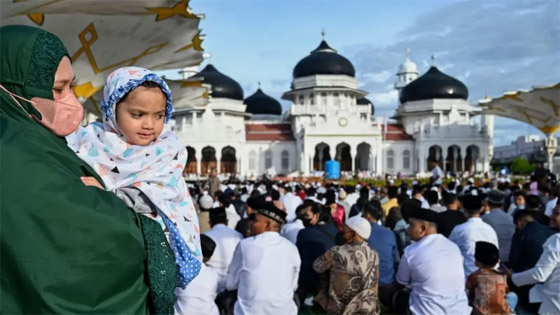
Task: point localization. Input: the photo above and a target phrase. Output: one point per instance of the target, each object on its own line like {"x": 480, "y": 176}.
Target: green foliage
{"x": 521, "y": 166}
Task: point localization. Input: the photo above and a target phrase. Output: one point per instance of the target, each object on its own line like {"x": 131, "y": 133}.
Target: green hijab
{"x": 64, "y": 247}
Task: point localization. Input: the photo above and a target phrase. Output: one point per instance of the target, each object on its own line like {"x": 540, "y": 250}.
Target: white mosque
{"x": 330, "y": 118}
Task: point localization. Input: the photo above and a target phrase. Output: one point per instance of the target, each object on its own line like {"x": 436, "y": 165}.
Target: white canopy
{"x": 102, "y": 35}
{"x": 539, "y": 107}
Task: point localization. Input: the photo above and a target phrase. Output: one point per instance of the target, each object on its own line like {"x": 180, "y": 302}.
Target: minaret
{"x": 407, "y": 73}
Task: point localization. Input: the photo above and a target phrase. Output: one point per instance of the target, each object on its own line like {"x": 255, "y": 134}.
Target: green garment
{"x": 65, "y": 247}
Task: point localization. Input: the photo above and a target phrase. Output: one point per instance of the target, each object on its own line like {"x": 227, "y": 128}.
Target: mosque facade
{"x": 330, "y": 118}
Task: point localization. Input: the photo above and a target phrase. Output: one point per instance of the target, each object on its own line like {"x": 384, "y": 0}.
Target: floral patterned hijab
{"x": 155, "y": 169}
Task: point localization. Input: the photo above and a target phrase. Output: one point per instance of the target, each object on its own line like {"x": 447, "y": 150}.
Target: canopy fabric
{"x": 539, "y": 107}
{"x": 102, "y": 35}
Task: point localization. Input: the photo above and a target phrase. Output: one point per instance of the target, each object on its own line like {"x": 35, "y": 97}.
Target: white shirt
{"x": 467, "y": 234}
{"x": 264, "y": 270}
{"x": 437, "y": 207}
{"x": 437, "y": 173}
{"x": 291, "y": 202}
{"x": 232, "y": 216}
{"x": 550, "y": 206}
{"x": 226, "y": 240}
{"x": 433, "y": 269}
{"x": 291, "y": 230}
{"x": 352, "y": 198}
{"x": 198, "y": 298}
{"x": 546, "y": 270}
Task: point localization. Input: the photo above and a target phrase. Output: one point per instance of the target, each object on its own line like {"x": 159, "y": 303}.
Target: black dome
{"x": 260, "y": 103}
{"x": 323, "y": 60}
{"x": 222, "y": 85}
{"x": 365, "y": 101}
{"x": 434, "y": 84}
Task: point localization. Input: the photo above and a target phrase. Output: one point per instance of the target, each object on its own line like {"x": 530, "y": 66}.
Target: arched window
{"x": 267, "y": 159}
{"x": 324, "y": 98}
{"x": 390, "y": 159}
{"x": 285, "y": 160}
{"x": 406, "y": 159}
{"x": 252, "y": 160}
{"x": 336, "y": 99}
{"x": 311, "y": 99}
{"x": 301, "y": 99}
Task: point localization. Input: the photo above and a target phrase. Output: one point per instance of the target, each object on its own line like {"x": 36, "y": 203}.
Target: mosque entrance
{"x": 322, "y": 155}
{"x": 435, "y": 155}
{"x": 228, "y": 162}
{"x": 471, "y": 159}
{"x": 363, "y": 157}
{"x": 344, "y": 157}
{"x": 209, "y": 161}
{"x": 190, "y": 168}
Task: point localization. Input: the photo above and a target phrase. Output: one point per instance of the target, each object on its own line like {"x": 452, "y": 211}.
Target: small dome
{"x": 221, "y": 84}
{"x": 260, "y": 103}
{"x": 364, "y": 101}
{"x": 408, "y": 67}
{"x": 324, "y": 60}
{"x": 433, "y": 84}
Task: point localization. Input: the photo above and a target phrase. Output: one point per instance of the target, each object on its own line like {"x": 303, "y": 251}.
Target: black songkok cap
{"x": 269, "y": 210}
{"x": 425, "y": 215}
{"x": 208, "y": 245}
{"x": 486, "y": 253}
{"x": 218, "y": 214}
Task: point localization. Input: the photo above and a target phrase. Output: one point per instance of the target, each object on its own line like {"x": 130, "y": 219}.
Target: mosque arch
{"x": 322, "y": 155}
{"x": 191, "y": 166}
{"x": 454, "y": 161}
{"x": 344, "y": 156}
{"x": 363, "y": 157}
{"x": 208, "y": 162}
{"x": 434, "y": 155}
{"x": 228, "y": 161}
{"x": 472, "y": 158}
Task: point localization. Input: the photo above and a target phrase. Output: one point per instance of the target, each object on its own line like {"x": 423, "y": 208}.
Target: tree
{"x": 521, "y": 166}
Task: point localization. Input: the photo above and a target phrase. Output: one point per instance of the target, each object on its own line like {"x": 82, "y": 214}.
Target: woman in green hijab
{"x": 64, "y": 247}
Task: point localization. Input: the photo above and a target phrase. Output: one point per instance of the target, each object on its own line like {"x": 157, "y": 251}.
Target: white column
{"x": 353, "y": 153}
{"x": 332, "y": 151}
{"x": 193, "y": 114}
{"x": 218, "y": 158}
{"x": 198, "y": 154}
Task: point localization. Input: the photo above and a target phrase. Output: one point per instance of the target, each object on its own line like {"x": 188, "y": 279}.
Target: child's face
{"x": 140, "y": 116}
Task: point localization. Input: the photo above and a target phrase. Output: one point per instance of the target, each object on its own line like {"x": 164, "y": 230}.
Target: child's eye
{"x": 160, "y": 116}
{"x": 135, "y": 115}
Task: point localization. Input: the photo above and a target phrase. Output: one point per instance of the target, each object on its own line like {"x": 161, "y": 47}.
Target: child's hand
{"x": 91, "y": 181}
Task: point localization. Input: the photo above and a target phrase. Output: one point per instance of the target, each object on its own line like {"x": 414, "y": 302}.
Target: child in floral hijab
{"x": 139, "y": 158}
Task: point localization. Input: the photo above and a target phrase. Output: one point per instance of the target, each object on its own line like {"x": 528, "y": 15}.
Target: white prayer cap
{"x": 361, "y": 226}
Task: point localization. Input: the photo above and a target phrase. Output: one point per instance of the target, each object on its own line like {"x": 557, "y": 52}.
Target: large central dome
{"x": 260, "y": 103}
{"x": 433, "y": 84}
{"x": 221, "y": 84}
{"x": 324, "y": 60}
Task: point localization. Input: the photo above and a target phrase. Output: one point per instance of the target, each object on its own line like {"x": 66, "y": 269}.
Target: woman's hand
{"x": 91, "y": 181}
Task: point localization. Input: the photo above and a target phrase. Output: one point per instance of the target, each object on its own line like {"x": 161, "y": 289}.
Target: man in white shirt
{"x": 437, "y": 175}
{"x": 553, "y": 201}
{"x": 467, "y": 234}
{"x": 226, "y": 240}
{"x": 198, "y": 298}
{"x": 265, "y": 267}
{"x": 433, "y": 269}
{"x": 547, "y": 271}
{"x": 291, "y": 202}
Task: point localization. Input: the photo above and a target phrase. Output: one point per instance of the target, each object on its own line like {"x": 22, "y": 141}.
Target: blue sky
{"x": 492, "y": 46}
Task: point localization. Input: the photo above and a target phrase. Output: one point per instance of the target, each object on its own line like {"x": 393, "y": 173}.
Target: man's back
{"x": 433, "y": 268}
{"x": 312, "y": 242}
{"x": 226, "y": 240}
{"x": 265, "y": 271}
{"x": 502, "y": 223}
{"x": 467, "y": 234}
{"x": 385, "y": 243}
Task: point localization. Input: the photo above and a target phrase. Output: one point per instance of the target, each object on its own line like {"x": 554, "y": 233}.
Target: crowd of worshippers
{"x": 289, "y": 248}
